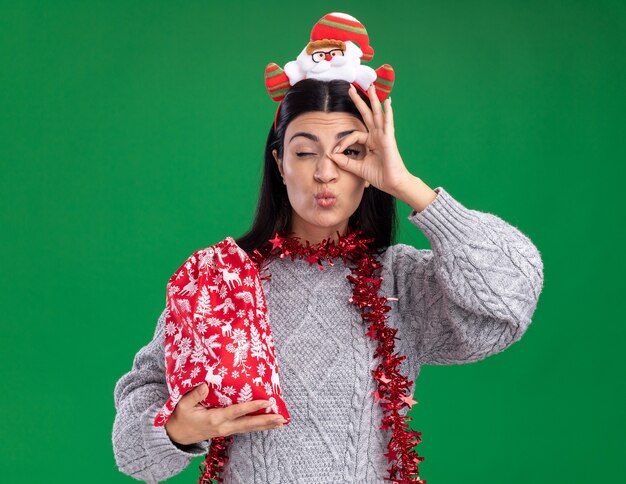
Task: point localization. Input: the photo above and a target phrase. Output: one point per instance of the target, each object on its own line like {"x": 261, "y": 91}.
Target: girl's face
{"x": 309, "y": 174}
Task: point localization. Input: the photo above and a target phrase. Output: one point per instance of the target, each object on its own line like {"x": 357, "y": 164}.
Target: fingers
{"x": 237, "y": 410}
{"x": 252, "y": 423}
{"x": 374, "y": 117}
{"x": 349, "y": 163}
{"x": 221, "y": 421}
{"x": 362, "y": 107}
{"x": 388, "y": 126}
{"x": 376, "y": 107}
{"x": 194, "y": 397}
{"x": 354, "y": 137}
{"x": 235, "y": 422}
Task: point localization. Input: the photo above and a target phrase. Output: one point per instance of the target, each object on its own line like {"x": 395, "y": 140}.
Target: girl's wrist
{"x": 415, "y": 193}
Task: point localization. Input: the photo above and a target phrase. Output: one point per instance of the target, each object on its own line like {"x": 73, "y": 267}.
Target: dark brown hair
{"x": 375, "y": 215}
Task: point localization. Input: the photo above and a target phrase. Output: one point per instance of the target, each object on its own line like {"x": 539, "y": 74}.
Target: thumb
{"x": 201, "y": 391}
{"x": 346, "y": 163}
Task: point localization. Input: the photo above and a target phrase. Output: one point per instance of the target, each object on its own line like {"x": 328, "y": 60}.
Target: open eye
{"x": 353, "y": 152}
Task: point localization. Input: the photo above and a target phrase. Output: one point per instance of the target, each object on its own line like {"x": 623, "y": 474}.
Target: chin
{"x": 328, "y": 222}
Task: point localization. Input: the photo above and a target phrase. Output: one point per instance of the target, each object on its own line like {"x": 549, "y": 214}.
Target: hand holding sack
{"x": 217, "y": 331}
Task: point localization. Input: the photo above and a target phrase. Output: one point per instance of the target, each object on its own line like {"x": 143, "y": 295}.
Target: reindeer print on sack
{"x": 217, "y": 331}
{"x": 231, "y": 278}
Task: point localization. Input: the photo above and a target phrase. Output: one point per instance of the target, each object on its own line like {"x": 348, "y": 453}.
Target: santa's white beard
{"x": 341, "y": 67}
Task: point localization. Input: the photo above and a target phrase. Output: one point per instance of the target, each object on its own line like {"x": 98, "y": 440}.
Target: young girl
{"x": 331, "y": 167}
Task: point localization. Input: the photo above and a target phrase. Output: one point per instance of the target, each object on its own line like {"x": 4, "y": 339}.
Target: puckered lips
{"x": 325, "y": 198}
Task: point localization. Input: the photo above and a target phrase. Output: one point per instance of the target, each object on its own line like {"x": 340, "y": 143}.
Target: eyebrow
{"x": 312, "y": 137}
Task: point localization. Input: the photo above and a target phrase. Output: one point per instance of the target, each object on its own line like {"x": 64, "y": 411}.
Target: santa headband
{"x": 337, "y": 45}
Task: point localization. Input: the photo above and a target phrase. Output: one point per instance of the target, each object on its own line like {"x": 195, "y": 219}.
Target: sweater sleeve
{"x": 473, "y": 294}
{"x": 142, "y": 450}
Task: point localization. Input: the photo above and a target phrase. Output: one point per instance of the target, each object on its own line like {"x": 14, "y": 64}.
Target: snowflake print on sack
{"x": 217, "y": 331}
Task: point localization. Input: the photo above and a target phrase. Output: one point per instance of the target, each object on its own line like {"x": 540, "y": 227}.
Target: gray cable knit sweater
{"x": 471, "y": 296}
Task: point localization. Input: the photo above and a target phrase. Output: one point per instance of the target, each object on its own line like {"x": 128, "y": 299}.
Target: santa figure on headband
{"x": 332, "y": 53}
{"x": 329, "y": 59}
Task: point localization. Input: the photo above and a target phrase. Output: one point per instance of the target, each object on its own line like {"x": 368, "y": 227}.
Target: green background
{"x": 132, "y": 134}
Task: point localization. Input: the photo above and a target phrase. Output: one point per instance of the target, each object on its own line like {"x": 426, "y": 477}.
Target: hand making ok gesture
{"x": 382, "y": 164}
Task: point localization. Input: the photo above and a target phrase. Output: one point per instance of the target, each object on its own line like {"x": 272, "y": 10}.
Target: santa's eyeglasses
{"x": 320, "y": 55}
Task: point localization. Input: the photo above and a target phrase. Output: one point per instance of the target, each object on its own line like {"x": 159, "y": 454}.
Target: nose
{"x": 326, "y": 171}
{"x": 329, "y": 57}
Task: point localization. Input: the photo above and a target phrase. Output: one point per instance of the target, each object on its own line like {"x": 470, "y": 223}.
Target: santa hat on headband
{"x": 341, "y": 26}
{"x": 338, "y": 43}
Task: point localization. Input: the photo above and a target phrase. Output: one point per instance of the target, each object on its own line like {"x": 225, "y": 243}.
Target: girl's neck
{"x": 315, "y": 235}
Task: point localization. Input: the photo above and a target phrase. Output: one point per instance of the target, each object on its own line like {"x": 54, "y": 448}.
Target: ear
{"x": 278, "y": 161}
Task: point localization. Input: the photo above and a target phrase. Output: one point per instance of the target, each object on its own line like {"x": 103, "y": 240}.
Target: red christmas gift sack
{"x": 217, "y": 331}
